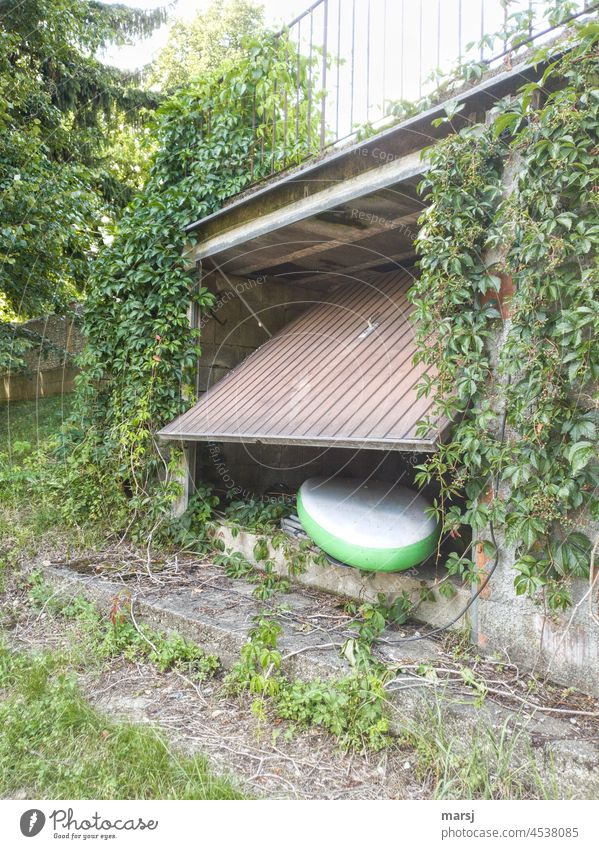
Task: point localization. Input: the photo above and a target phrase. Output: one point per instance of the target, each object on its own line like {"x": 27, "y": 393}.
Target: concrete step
{"x": 216, "y": 612}
{"x": 348, "y": 582}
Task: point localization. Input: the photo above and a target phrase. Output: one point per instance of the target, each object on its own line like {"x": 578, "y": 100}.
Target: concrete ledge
{"x": 352, "y": 583}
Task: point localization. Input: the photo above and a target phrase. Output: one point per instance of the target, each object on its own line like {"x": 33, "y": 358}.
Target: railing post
{"x": 324, "y": 73}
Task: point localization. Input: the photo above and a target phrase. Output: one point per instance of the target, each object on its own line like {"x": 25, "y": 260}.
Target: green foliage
{"x": 141, "y": 353}
{"x": 62, "y": 175}
{"x": 267, "y": 582}
{"x": 258, "y": 667}
{"x": 200, "y": 46}
{"x": 371, "y": 619}
{"x": 539, "y": 468}
{"x": 55, "y": 745}
{"x": 235, "y": 565}
{"x": 352, "y": 708}
{"x": 270, "y": 583}
{"x": 259, "y": 515}
{"x": 496, "y": 763}
{"x": 297, "y": 554}
{"x": 118, "y": 635}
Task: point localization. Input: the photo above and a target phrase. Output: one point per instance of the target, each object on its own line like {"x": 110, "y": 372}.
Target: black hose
{"x": 471, "y": 601}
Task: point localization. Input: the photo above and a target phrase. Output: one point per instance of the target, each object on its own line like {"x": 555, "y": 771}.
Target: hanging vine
{"x": 213, "y": 139}
{"x": 533, "y": 475}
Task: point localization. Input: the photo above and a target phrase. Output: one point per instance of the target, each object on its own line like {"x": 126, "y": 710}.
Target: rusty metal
{"x": 339, "y": 375}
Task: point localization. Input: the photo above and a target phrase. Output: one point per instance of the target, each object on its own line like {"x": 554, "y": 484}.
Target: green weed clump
{"x": 352, "y": 708}
{"x": 118, "y": 634}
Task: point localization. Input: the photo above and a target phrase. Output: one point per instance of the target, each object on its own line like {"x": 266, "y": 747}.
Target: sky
{"x": 387, "y": 48}
{"x": 277, "y": 12}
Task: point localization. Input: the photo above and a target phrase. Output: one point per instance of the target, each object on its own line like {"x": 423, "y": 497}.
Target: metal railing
{"x": 359, "y": 64}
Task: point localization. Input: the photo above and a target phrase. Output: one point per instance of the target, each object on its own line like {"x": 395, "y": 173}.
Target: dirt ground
{"x": 260, "y": 758}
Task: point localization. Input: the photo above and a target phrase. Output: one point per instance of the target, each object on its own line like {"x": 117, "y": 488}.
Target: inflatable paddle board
{"x": 374, "y": 526}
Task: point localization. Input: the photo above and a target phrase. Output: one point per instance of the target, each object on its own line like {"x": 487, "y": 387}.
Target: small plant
{"x": 238, "y": 566}
{"x": 270, "y": 583}
{"x": 260, "y": 661}
{"x": 118, "y": 635}
{"x": 297, "y": 554}
{"x": 235, "y": 565}
{"x": 352, "y": 708}
{"x": 493, "y": 764}
{"x": 371, "y": 620}
{"x": 259, "y": 515}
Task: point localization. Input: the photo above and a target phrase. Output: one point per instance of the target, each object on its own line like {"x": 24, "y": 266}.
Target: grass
{"x": 483, "y": 763}
{"x": 117, "y": 635}
{"x": 31, "y": 515}
{"x": 55, "y": 745}
{"x": 26, "y": 426}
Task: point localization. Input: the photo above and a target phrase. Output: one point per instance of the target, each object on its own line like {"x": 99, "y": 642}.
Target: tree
{"x": 199, "y": 47}
{"x": 62, "y": 159}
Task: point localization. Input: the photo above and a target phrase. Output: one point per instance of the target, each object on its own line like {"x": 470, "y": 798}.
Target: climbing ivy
{"x": 517, "y": 196}
{"x": 213, "y": 138}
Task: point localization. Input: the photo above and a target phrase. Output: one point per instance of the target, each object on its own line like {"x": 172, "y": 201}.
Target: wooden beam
{"x": 353, "y": 237}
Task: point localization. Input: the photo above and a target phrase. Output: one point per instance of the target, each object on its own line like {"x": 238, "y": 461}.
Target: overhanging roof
{"x": 340, "y": 375}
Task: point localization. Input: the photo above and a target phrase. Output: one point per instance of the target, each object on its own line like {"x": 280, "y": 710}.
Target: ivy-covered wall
{"x": 507, "y": 305}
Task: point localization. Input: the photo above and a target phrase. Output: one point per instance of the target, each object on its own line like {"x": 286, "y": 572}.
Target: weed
{"x": 118, "y": 635}
{"x": 270, "y": 583}
{"x": 259, "y": 515}
{"x": 352, "y": 708}
{"x": 372, "y": 619}
{"x": 267, "y": 584}
{"x": 235, "y": 565}
{"x": 492, "y": 764}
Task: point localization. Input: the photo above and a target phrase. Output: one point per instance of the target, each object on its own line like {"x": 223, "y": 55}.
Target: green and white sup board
{"x": 374, "y": 526}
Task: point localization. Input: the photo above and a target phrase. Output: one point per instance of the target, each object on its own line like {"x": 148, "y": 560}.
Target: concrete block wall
{"x": 562, "y": 646}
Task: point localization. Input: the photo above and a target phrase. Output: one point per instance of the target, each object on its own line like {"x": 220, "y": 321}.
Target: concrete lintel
{"x": 409, "y": 445}
{"x": 404, "y": 168}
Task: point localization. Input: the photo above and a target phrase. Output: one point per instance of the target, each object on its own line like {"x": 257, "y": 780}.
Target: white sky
{"x": 396, "y": 45}
{"x": 277, "y": 12}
